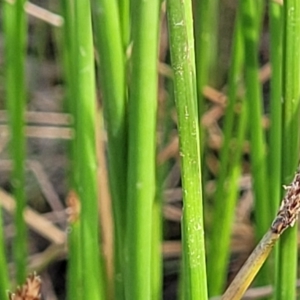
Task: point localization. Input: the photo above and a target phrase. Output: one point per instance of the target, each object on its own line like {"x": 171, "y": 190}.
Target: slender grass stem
{"x": 93, "y": 281}
{"x": 4, "y": 282}
{"x": 69, "y": 67}
{"x": 226, "y": 190}
{"x": 287, "y": 256}
{"x": 124, "y": 13}
{"x": 188, "y": 124}
{"x": 206, "y": 42}
{"x": 156, "y": 255}
{"x": 275, "y": 133}
{"x": 165, "y": 123}
{"x": 112, "y": 76}
{"x": 275, "y": 103}
{"x": 15, "y": 26}
{"x": 75, "y": 270}
{"x": 252, "y": 14}
{"x": 206, "y": 51}
{"x": 141, "y": 159}
{"x": 251, "y": 25}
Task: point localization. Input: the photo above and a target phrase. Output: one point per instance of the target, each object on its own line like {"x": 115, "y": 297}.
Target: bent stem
{"x": 286, "y": 217}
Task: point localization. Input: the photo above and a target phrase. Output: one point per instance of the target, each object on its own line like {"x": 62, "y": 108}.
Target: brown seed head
{"x": 290, "y": 207}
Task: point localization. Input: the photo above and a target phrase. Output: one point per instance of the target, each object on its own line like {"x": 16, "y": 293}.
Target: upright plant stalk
{"x": 251, "y": 27}
{"x": 206, "y": 40}
{"x": 206, "y": 45}
{"x": 275, "y": 11}
{"x": 75, "y": 270}
{"x": 156, "y": 253}
{"x": 124, "y": 14}
{"x": 275, "y": 132}
{"x": 165, "y": 123}
{"x": 287, "y": 257}
{"x": 188, "y": 124}
{"x": 112, "y": 75}
{"x": 93, "y": 281}
{"x": 226, "y": 190}
{"x": 4, "y": 283}
{"x": 15, "y": 26}
{"x": 252, "y": 14}
{"x": 141, "y": 158}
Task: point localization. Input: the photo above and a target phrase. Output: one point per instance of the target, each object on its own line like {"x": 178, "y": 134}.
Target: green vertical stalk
{"x": 252, "y": 14}
{"x": 4, "y": 282}
{"x": 227, "y": 189}
{"x": 275, "y": 133}
{"x": 251, "y": 26}
{"x": 287, "y": 254}
{"x": 15, "y": 27}
{"x": 206, "y": 46}
{"x": 93, "y": 281}
{"x": 275, "y": 11}
{"x": 75, "y": 269}
{"x": 206, "y": 36}
{"x": 112, "y": 76}
{"x": 156, "y": 253}
{"x": 141, "y": 159}
{"x": 124, "y": 13}
{"x": 223, "y": 218}
{"x": 188, "y": 124}
{"x": 165, "y": 123}
{"x": 69, "y": 56}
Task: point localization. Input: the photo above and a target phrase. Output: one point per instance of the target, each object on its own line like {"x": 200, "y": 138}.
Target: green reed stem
{"x": 75, "y": 270}
{"x": 275, "y": 150}
{"x": 124, "y": 15}
{"x": 206, "y": 37}
{"x": 15, "y": 27}
{"x": 112, "y": 69}
{"x": 287, "y": 255}
{"x": 251, "y": 27}
{"x": 227, "y": 188}
{"x": 165, "y": 124}
{"x": 182, "y": 53}
{"x": 93, "y": 281}
{"x": 156, "y": 253}
{"x": 206, "y": 51}
{"x": 141, "y": 159}
{"x": 252, "y": 14}
{"x": 4, "y": 282}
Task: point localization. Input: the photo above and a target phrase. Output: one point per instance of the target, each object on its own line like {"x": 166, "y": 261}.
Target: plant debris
{"x": 73, "y": 207}
{"x": 31, "y": 290}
